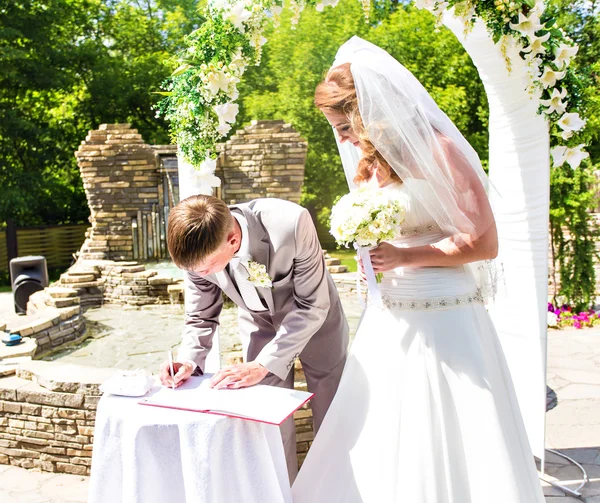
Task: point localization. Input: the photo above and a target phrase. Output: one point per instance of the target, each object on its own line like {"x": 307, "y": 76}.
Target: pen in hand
{"x": 170, "y": 356}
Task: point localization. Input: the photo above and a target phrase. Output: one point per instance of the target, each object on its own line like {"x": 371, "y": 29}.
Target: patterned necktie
{"x": 246, "y": 288}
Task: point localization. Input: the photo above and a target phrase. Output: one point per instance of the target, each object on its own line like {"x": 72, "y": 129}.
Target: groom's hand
{"x": 182, "y": 372}
{"x": 240, "y": 375}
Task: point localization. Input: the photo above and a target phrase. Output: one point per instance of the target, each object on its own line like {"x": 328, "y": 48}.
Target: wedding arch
{"x": 523, "y": 60}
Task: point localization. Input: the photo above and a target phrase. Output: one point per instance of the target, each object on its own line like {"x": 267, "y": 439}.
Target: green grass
{"x": 5, "y": 288}
{"x": 346, "y": 256}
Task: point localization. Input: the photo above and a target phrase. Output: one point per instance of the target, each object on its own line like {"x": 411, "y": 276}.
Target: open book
{"x": 265, "y": 404}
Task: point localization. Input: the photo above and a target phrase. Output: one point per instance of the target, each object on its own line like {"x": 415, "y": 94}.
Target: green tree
{"x": 574, "y": 194}
{"x": 68, "y": 66}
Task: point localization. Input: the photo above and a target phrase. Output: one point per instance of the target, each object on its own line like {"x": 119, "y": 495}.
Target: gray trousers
{"x": 324, "y": 384}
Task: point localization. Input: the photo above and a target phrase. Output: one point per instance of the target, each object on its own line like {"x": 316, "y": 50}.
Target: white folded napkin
{"x": 128, "y": 383}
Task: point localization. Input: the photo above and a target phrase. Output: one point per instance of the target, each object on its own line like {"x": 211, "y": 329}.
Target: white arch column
{"x": 193, "y": 182}
{"x": 520, "y": 173}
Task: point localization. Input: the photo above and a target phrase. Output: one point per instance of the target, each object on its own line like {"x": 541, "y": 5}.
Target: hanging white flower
{"x": 552, "y": 319}
{"x": 219, "y": 4}
{"x": 563, "y": 54}
{"x": 527, "y": 25}
{"x": 238, "y": 15}
{"x": 571, "y": 122}
{"x": 217, "y": 80}
{"x": 549, "y": 77}
{"x": 424, "y": 4}
{"x": 223, "y": 128}
{"x": 258, "y": 41}
{"x": 534, "y": 64}
{"x": 539, "y": 7}
{"x": 572, "y": 156}
{"x": 208, "y": 166}
{"x": 439, "y": 7}
{"x": 326, "y": 3}
{"x": 233, "y": 93}
{"x": 555, "y": 103}
{"x": 238, "y": 61}
{"x": 227, "y": 112}
{"x": 536, "y": 46}
{"x": 197, "y": 181}
{"x": 565, "y": 135}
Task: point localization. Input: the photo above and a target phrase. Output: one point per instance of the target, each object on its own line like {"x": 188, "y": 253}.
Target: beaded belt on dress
{"x": 431, "y": 304}
{"x": 418, "y": 230}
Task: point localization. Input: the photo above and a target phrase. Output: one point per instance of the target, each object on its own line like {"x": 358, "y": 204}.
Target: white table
{"x": 149, "y": 454}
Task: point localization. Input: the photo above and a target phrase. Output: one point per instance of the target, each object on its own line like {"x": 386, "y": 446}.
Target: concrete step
{"x": 27, "y": 348}
{"x": 9, "y": 366}
{"x": 57, "y": 292}
{"x": 337, "y": 269}
{"x": 332, "y": 261}
{"x": 73, "y": 280}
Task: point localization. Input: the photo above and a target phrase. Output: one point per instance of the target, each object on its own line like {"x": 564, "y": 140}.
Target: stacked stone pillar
{"x": 121, "y": 179}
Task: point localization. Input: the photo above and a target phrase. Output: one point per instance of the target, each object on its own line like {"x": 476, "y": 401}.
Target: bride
{"x": 425, "y": 411}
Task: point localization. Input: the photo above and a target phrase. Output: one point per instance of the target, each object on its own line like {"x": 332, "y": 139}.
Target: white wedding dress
{"x": 425, "y": 411}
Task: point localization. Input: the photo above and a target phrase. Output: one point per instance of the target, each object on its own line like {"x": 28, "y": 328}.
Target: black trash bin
{"x": 27, "y": 275}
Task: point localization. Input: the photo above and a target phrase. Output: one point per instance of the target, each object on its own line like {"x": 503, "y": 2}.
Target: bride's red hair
{"x": 337, "y": 93}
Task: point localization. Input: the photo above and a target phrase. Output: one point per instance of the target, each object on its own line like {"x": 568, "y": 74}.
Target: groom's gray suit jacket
{"x": 303, "y": 316}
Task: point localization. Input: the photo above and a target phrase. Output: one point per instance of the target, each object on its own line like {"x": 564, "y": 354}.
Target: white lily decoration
{"x": 425, "y": 4}
{"x": 572, "y": 156}
{"x": 223, "y": 128}
{"x": 549, "y": 77}
{"x": 238, "y": 61}
{"x": 536, "y": 46}
{"x": 219, "y": 4}
{"x": 539, "y": 7}
{"x": 203, "y": 179}
{"x": 565, "y": 135}
{"x": 326, "y": 3}
{"x": 527, "y": 25}
{"x": 217, "y": 80}
{"x": 571, "y": 122}
{"x": 238, "y": 15}
{"x": 563, "y": 54}
{"x": 208, "y": 166}
{"x": 534, "y": 64}
{"x": 555, "y": 103}
{"x": 227, "y": 112}
{"x": 258, "y": 41}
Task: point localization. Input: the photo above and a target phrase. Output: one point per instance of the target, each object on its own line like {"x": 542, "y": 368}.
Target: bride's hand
{"x": 387, "y": 257}
{"x": 361, "y": 269}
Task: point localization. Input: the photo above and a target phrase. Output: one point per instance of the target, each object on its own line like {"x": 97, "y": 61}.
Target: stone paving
{"x": 138, "y": 339}
{"x": 131, "y": 338}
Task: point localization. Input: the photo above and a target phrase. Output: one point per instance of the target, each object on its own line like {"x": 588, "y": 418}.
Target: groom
{"x": 288, "y": 309}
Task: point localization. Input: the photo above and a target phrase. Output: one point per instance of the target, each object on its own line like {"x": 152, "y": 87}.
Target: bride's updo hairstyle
{"x": 337, "y": 93}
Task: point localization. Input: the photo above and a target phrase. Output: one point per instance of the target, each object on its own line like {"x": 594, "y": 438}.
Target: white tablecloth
{"x": 148, "y": 454}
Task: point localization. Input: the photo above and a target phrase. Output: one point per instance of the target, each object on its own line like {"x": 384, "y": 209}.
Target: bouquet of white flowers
{"x": 366, "y": 216}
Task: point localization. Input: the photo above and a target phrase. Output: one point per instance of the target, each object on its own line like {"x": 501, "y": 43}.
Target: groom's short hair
{"x": 197, "y": 227}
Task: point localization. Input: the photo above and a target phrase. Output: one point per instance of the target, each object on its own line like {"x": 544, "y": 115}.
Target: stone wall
{"x": 117, "y": 282}
{"x": 47, "y": 419}
{"x": 264, "y": 159}
{"x": 130, "y": 185}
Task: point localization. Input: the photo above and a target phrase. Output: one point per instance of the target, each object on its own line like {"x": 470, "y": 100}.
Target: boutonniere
{"x": 258, "y": 276}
